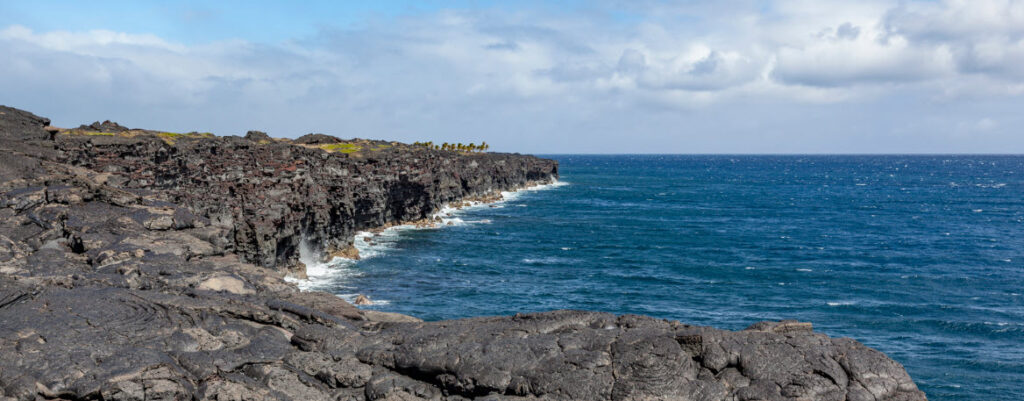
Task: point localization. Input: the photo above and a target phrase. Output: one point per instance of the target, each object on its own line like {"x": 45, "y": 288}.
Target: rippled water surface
{"x": 920, "y": 257}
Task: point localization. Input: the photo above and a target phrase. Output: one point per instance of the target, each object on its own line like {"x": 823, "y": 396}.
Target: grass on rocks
{"x": 168, "y": 137}
{"x": 343, "y": 147}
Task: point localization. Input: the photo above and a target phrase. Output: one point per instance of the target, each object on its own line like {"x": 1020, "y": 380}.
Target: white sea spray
{"x": 335, "y": 273}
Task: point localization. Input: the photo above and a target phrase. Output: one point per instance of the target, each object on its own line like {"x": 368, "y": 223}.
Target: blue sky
{"x": 734, "y": 76}
{"x": 196, "y": 22}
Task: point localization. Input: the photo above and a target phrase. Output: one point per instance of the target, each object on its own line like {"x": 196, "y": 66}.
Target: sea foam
{"x": 337, "y": 271}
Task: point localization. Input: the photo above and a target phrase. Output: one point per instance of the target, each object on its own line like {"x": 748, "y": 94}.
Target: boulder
{"x": 105, "y": 126}
{"x": 362, "y": 300}
{"x": 317, "y": 139}
{"x": 258, "y": 136}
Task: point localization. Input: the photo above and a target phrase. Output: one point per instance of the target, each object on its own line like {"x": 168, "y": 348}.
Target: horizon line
{"x": 773, "y": 154}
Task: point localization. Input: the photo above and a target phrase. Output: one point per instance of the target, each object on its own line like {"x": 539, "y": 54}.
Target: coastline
{"x": 320, "y": 275}
{"x": 147, "y": 266}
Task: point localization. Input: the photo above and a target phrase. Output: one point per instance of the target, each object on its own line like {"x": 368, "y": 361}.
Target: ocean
{"x": 921, "y": 257}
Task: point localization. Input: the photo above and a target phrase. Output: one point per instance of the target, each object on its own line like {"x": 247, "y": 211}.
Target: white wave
{"x": 450, "y": 213}
{"x": 841, "y": 303}
{"x": 325, "y": 275}
{"x": 322, "y": 275}
{"x": 804, "y": 270}
{"x": 371, "y": 245}
{"x": 997, "y": 185}
{"x": 512, "y": 195}
{"x": 319, "y": 274}
{"x": 549, "y": 260}
{"x": 306, "y": 254}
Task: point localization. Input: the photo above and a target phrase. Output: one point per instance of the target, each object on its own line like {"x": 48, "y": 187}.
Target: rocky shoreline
{"x": 437, "y": 220}
{"x": 146, "y": 265}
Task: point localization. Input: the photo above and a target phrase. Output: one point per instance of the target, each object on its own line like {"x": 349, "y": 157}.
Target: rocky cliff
{"x": 273, "y": 195}
{"x": 143, "y": 265}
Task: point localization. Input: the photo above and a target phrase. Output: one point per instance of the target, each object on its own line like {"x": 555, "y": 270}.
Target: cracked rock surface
{"x": 134, "y": 268}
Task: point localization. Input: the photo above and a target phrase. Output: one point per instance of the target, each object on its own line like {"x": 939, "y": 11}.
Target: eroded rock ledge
{"x": 144, "y": 266}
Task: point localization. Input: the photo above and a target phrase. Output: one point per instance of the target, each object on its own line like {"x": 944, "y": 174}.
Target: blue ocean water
{"x": 921, "y": 257}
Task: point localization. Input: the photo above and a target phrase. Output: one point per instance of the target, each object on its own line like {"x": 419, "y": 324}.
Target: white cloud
{"x": 956, "y": 20}
{"x": 85, "y": 42}
{"x": 456, "y": 73}
{"x": 983, "y": 37}
{"x": 870, "y": 57}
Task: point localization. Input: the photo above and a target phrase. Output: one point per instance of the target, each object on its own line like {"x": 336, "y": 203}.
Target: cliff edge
{"x": 146, "y": 265}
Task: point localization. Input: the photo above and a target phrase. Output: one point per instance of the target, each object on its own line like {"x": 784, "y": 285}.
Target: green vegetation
{"x": 167, "y": 137}
{"x": 456, "y": 147}
{"x": 341, "y": 147}
{"x": 86, "y": 133}
{"x": 172, "y": 137}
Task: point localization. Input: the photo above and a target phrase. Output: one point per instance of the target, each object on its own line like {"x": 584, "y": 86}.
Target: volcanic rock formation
{"x": 143, "y": 265}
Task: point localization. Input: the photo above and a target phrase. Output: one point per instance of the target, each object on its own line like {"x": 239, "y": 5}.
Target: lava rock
{"x": 105, "y": 126}
{"x": 258, "y": 136}
{"x": 317, "y": 139}
{"x": 133, "y": 268}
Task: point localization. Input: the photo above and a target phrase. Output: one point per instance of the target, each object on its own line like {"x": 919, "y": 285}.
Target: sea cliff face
{"x": 273, "y": 195}
{"x": 141, "y": 265}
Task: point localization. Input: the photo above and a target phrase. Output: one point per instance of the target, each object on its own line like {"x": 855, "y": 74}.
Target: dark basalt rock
{"x": 317, "y": 139}
{"x": 19, "y": 125}
{"x": 273, "y": 197}
{"x": 132, "y": 268}
{"x": 105, "y": 126}
{"x": 257, "y": 136}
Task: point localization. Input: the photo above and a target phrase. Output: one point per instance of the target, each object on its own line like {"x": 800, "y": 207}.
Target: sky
{"x": 601, "y": 76}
